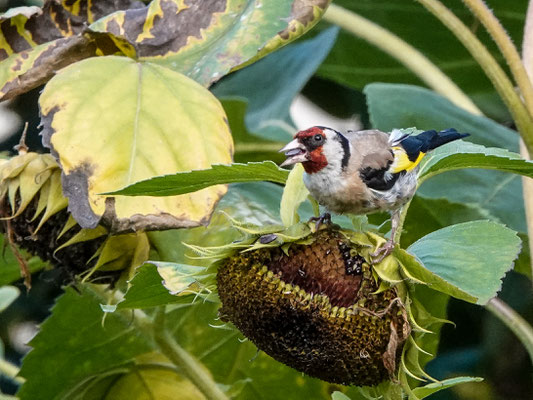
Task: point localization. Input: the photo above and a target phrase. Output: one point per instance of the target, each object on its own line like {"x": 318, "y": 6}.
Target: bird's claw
{"x": 382, "y": 252}
{"x": 322, "y": 219}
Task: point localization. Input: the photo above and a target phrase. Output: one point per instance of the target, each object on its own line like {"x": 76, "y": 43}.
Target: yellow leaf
{"x": 113, "y": 121}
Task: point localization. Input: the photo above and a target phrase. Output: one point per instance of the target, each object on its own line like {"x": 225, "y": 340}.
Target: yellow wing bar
{"x": 402, "y": 162}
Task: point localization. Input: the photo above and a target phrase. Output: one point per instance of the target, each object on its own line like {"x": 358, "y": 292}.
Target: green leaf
{"x": 437, "y": 214}
{"x": 207, "y": 40}
{"x": 146, "y": 290}
{"x": 426, "y": 390}
{"x": 294, "y": 194}
{"x": 8, "y": 294}
{"x": 142, "y": 120}
{"x": 401, "y": 106}
{"x": 461, "y": 154}
{"x": 464, "y": 255}
{"x": 186, "y": 182}
{"x": 269, "y": 99}
{"x": 75, "y": 343}
{"x": 9, "y": 266}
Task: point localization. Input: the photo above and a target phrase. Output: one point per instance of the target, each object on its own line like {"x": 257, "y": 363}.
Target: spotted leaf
{"x": 112, "y": 121}
{"x": 206, "y": 39}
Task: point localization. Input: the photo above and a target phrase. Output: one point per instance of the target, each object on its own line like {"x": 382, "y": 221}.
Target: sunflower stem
{"x": 490, "y": 66}
{"x": 518, "y": 325}
{"x": 188, "y": 365}
{"x": 402, "y": 51}
{"x": 527, "y": 183}
{"x": 507, "y": 48}
{"x": 10, "y": 371}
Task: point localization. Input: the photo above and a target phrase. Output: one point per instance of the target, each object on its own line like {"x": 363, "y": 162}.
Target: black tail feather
{"x": 443, "y": 137}
{"x": 429, "y": 140}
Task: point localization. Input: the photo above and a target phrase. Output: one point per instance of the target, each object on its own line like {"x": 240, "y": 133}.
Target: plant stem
{"x": 188, "y": 365}
{"x": 399, "y": 228}
{"x": 527, "y": 183}
{"x": 489, "y": 65}
{"x": 155, "y": 329}
{"x": 402, "y": 51}
{"x": 11, "y": 371}
{"x": 507, "y": 48}
{"x": 518, "y": 325}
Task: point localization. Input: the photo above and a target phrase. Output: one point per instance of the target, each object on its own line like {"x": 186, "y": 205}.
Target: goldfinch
{"x": 365, "y": 171}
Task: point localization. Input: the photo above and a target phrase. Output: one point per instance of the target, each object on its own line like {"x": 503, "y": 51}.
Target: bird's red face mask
{"x": 305, "y": 147}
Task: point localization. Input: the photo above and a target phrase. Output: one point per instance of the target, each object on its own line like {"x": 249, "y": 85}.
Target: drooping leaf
{"x": 468, "y": 254}
{"x": 112, "y": 121}
{"x": 73, "y": 345}
{"x": 207, "y": 39}
{"x": 39, "y": 42}
{"x": 187, "y": 182}
{"x": 426, "y": 390}
{"x": 270, "y": 85}
{"x": 9, "y": 266}
{"x": 8, "y": 294}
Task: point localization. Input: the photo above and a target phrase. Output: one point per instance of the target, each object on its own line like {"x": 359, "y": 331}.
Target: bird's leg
{"x": 322, "y": 219}
{"x": 388, "y": 247}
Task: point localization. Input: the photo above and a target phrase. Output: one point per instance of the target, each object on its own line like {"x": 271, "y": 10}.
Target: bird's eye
{"x": 318, "y": 138}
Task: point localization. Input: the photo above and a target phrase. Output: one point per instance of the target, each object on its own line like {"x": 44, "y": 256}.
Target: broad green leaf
{"x": 74, "y": 344}
{"x": 427, "y": 390}
{"x": 415, "y": 270}
{"x": 269, "y": 99}
{"x": 9, "y": 266}
{"x": 207, "y": 40}
{"x": 355, "y": 63}
{"x": 187, "y": 182}
{"x": 464, "y": 255}
{"x": 427, "y": 215}
{"x": 8, "y": 294}
{"x": 401, "y": 106}
{"x": 142, "y": 120}
{"x": 462, "y": 154}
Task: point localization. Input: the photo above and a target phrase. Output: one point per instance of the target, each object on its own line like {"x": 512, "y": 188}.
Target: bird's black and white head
{"x": 318, "y": 148}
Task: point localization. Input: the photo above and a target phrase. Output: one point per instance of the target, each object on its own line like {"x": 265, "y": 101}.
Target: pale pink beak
{"x": 295, "y": 153}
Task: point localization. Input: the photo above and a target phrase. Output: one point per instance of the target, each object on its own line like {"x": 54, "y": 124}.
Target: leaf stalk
{"x": 518, "y": 325}
{"x": 507, "y": 48}
{"x": 490, "y": 66}
{"x": 187, "y": 364}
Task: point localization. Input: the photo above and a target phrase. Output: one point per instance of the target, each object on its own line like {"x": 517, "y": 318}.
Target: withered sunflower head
{"x": 316, "y": 305}
{"x": 34, "y": 217}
